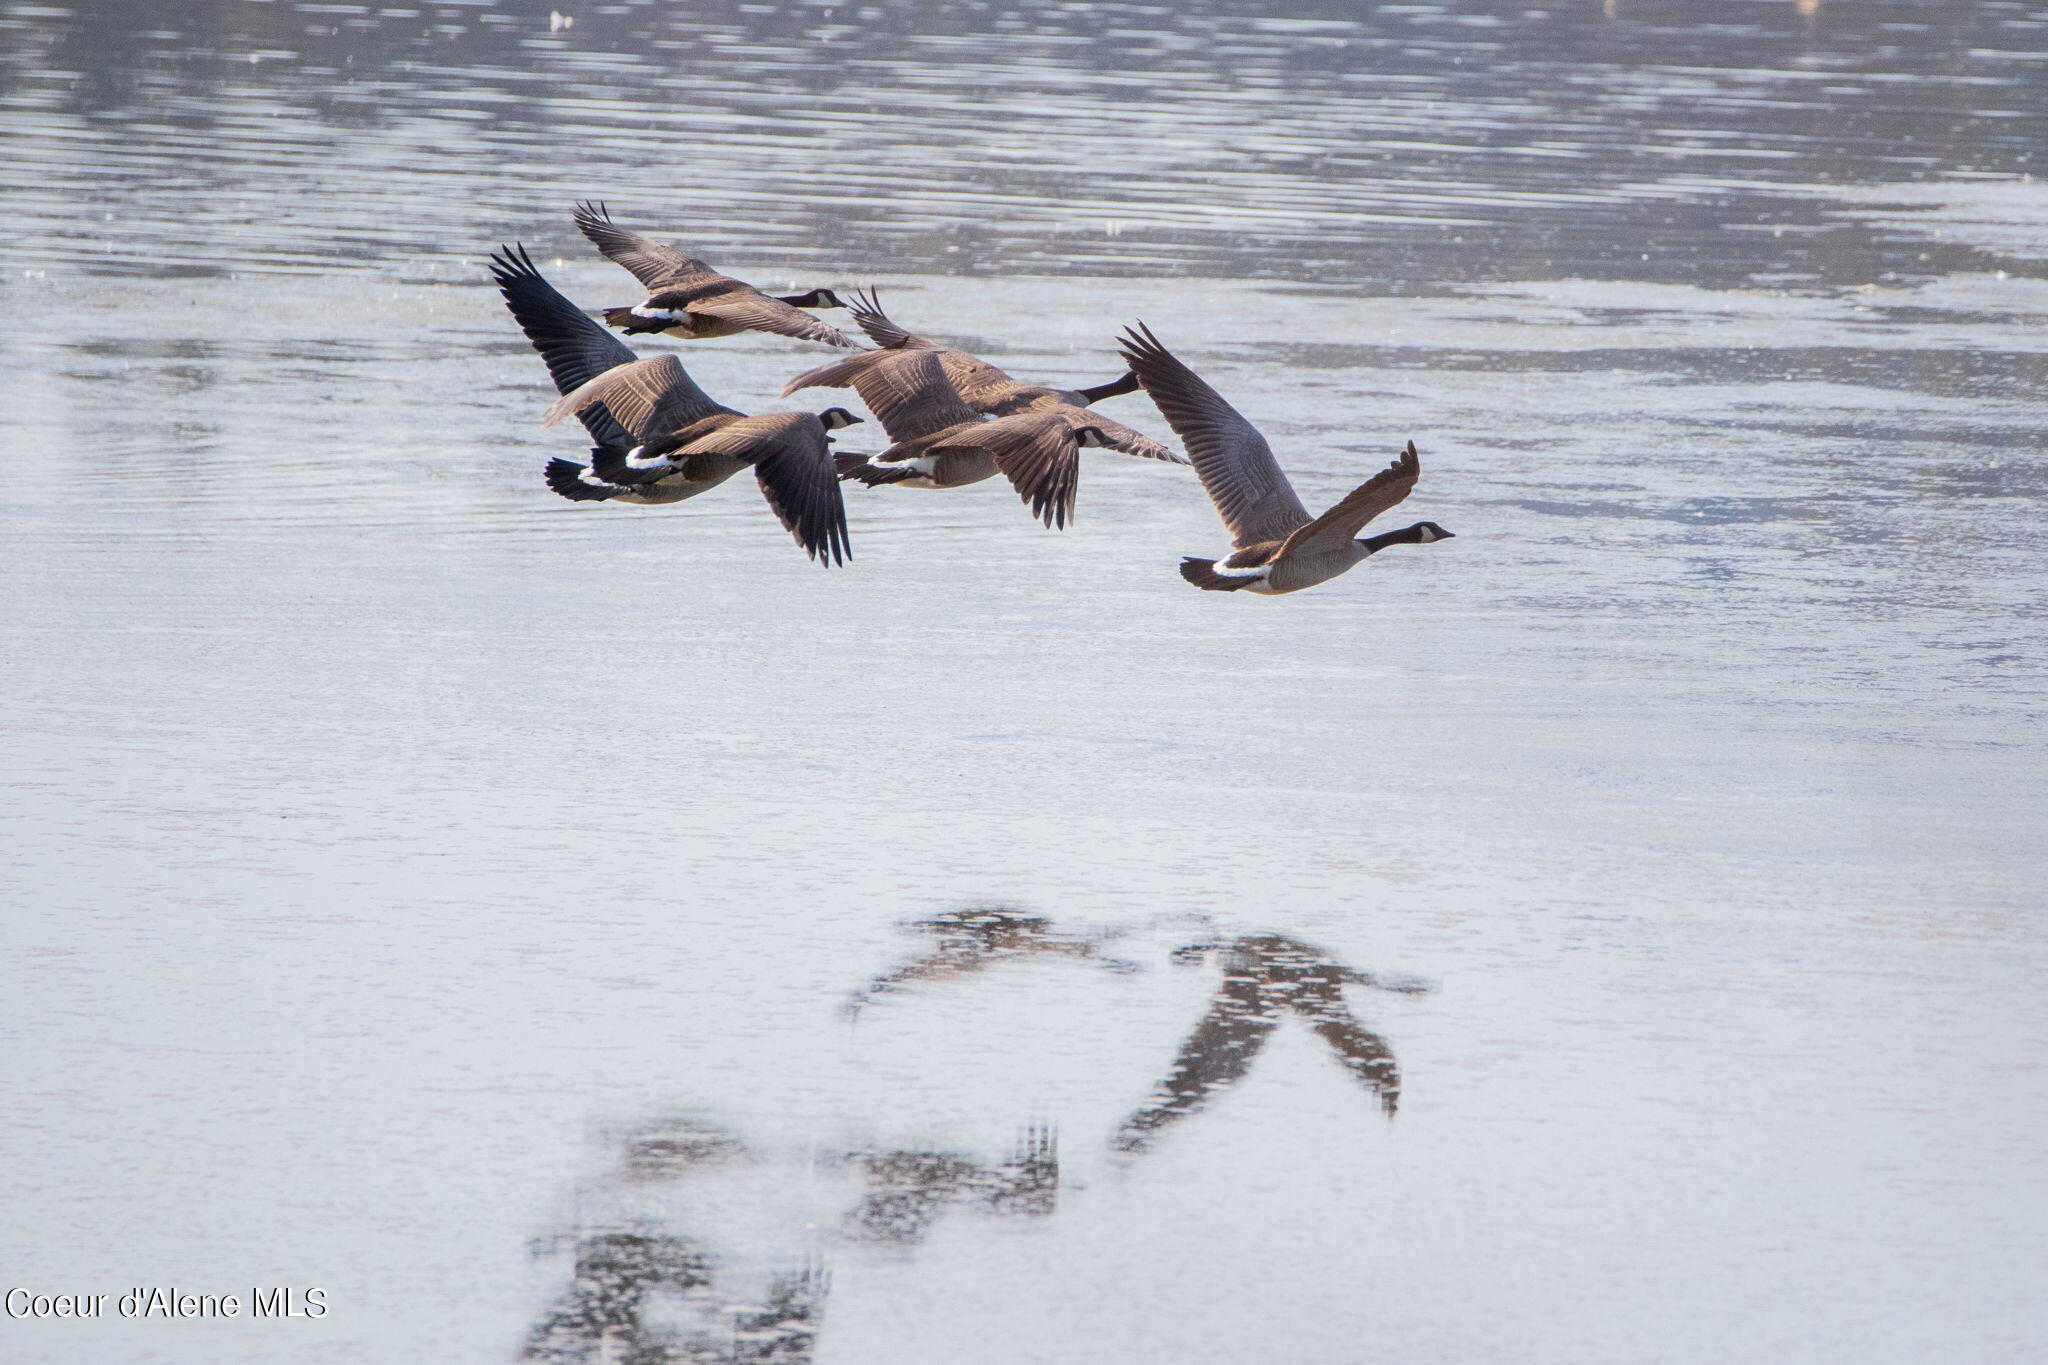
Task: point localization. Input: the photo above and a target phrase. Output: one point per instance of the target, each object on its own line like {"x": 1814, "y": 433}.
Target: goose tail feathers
{"x": 1202, "y": 573}
{"x": 576, "y": 483}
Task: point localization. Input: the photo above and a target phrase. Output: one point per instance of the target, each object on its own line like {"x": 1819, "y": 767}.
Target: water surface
{"x": 564, "y": 930}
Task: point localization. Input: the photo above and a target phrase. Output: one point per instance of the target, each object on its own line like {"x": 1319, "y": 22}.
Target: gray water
{"x": 599, "y": 934}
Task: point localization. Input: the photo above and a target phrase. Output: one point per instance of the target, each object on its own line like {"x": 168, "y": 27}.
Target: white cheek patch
{"x": 1427, "y": 536}
{"x": 669, "y": 314}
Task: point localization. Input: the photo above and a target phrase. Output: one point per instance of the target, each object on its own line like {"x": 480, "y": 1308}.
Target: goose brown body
{"x": 687, "y": 298}
{"x": 942, "y": 439}
{"x": 1277, "y": 547}
{"x": 658, "y": 437}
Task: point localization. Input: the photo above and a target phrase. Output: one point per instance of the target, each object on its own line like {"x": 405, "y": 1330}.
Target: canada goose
{"x": 659, "y": 438}
{"x": 984, "y": 387}
{"x": 1279, "y": 547}
{"x": 942, "y": 442}
{"x": 687, "y": 298}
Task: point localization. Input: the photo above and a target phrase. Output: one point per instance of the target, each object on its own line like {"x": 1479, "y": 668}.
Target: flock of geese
{"x": 952, "y": 420}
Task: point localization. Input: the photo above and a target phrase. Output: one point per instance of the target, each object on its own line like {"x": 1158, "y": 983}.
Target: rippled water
{"x": 574, "y": 931}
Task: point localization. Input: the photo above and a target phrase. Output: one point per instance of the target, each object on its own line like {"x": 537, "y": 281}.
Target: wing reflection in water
{"x": 712, "y": 1252}
{"x": 647, "y": 1296}
{"x": 969, "y": 940}
{"x": 1266, "y": 976}
{"x": 906, "y": 1190}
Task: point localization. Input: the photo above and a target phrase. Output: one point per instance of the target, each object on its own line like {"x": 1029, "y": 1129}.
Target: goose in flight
{"x": 687, "y": 298}
{"x": 941, "y": 441}
{"x": 1279, "y": 547}
{"x": 985, "y": 388}
{"x": 659, "y": 438}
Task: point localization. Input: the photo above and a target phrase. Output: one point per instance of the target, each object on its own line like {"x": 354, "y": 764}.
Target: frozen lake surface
{"x": 573, "y": 930}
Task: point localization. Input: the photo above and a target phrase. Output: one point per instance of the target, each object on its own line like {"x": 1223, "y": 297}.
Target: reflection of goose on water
{"x": 687, "y": 298}
{"x": 660, "y": 438}
{"x": 907, "y": 1190}
{"x": 654, "y": 1297}
{"x": 1279, "y": 547}
{"x": 970, "y": 940}
{"x": 1264, "y": 977}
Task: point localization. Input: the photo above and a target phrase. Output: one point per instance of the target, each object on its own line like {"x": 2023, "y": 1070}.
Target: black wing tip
{"x": 1139, "y": 347}
{"x": 511, "y": 265}
{"x": 591, "y": 211}
{"x": 833, "y": 551}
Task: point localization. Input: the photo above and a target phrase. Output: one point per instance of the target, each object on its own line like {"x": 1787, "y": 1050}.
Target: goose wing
{"x": 907, "y": 390}
{"x": 793, "y": 464}
{"x": 1236, "y": 464}
{"x": 576, "y": 348}
{"x": 755, "y": 311}
{"x": 985, "y": 387}
{"x": 658, "y": 265}
{"x": 1039, "y": 452}
{"x": 1361, "y": 504}
{"x": 650, "y": 398}
{"x": 866, "y": 309}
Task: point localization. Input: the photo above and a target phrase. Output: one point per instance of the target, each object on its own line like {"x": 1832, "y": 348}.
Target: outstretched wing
{"x": 756, "y": 312}
{"x": 657, "y": 265}
{"x": 793, "y": 464}
{"x": 1117, "y": 436}
{"x": 1039, "y": 452}
{"x": 1243, "y": 479}
{"x": 1362, "y": 504}
{"x": 575, "y": 346}
{"x": 650, "y": 398}
{"x": 985, "y": 387}
{"x": 908, "y": 391}
{"x": 867, "y": 312}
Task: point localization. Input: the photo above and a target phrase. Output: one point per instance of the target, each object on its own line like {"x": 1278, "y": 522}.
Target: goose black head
{"x": 835, "y": 418}
{"x": 1090, "y": 436}
{"x": 1426, "y": 531}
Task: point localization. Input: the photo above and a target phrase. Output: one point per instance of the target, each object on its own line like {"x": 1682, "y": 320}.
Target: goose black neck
{"x": 1407, "y": 535}
{"x": 1127, "y": 384}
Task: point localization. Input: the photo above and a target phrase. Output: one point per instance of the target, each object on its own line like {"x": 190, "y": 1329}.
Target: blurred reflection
{"x": 663, "y": 1290}
{"x": 1266, "y": 976}
{"x": 907, "y": 1190}
{"x": 969, "y": 940}
{"x": 650, "y": 1297}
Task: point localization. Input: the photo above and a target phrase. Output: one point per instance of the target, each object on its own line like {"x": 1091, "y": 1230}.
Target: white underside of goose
{"x": 923, "y": 464}
{"x": 641, "y": 310}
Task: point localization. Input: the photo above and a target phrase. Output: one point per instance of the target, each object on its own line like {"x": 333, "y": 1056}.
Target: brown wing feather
{"x": 1129, "y": 440}
{"x": 756, "y": 312}
{"x": 1378, "y": 493}
{"x": 866, "y": 309}
{"x": 1236, "y": 464}
{"x": 650, "y": 398}
{"x": 800, "y": 480}
{"x": 657, "y": 265}
{"x": 906, "y": 390}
